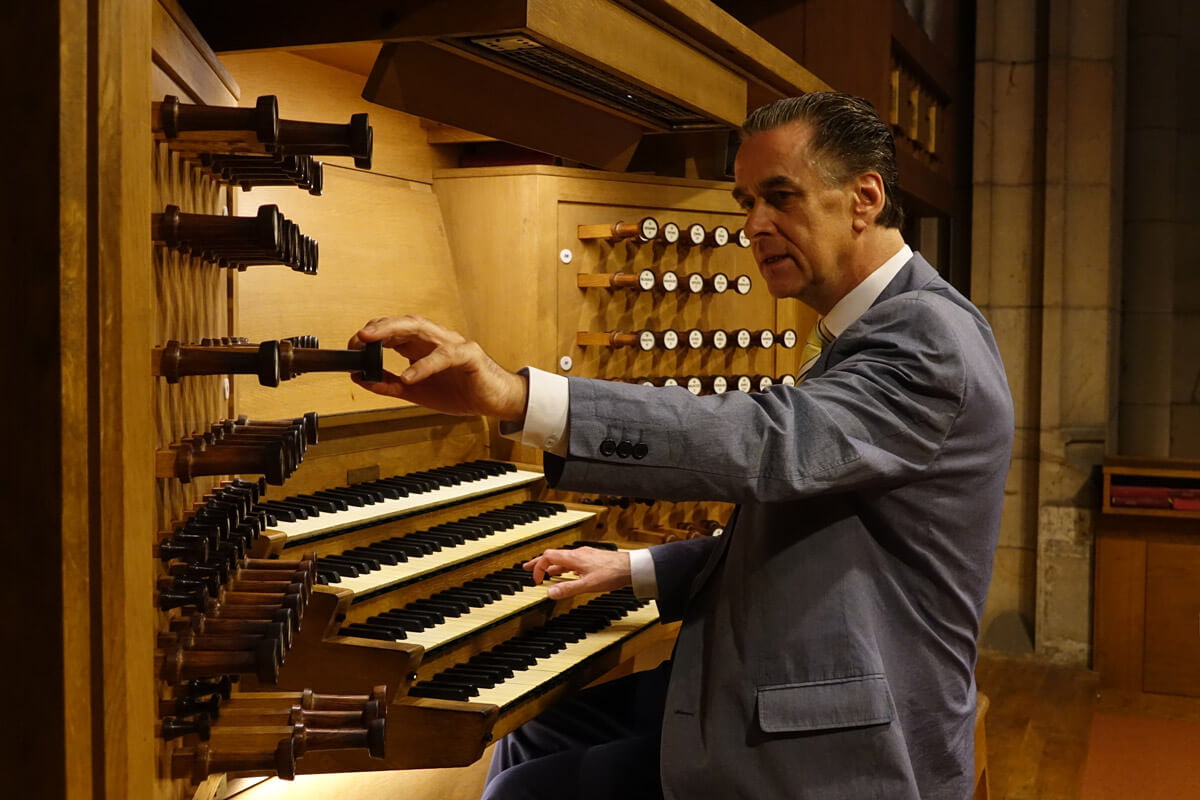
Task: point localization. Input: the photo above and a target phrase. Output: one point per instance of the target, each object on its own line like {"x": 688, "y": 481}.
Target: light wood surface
{"x": 310, "y": 90}
{"x": 1037, "y": 727}
{"x": 727, "y": 39}
{"x": 1172, "y": 655}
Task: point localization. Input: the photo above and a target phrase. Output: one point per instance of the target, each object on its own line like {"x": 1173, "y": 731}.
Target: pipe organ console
{"x": 334, "y": 586}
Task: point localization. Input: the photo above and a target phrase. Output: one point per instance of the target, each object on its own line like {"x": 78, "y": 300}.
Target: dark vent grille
{"x": 571, "y": 73}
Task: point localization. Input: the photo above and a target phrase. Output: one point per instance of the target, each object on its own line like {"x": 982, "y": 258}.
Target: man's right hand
{"x": 446, "y": 372}
{"x": 598, "y": 570}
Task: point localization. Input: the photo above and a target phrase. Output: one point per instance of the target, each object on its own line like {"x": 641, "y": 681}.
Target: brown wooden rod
{"x": 186, "y": 461}
{"x": 217, "y": 626}
{"x": 270, "y": 587}
{"x": 199, "y": 762}
{"x": 354, "y": 139}
{"x": 373, "y": 738}
{"x": 368, "y": 362}
{"x": 248, "y": 715}
{"x": 175, "y": 120}
{"x": 177, "y": 664}
{"x": 312, "y": 701}
{"x": 256, "y": 613}
{"x": 292, "y": 607}
{"x": 616, "y": 280}
{"x": 266, "y": 231}
{"x": 645, "y": 340}
{"x": 212, "y": 641}
{"x": 644, "y": 230}
{"x": 309, "y": 424}
{"x": 174, "y": 361}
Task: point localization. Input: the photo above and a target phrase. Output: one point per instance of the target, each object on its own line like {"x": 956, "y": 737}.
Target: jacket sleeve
{"x": 878, "y": 416}
{"x": 676, "y": 565}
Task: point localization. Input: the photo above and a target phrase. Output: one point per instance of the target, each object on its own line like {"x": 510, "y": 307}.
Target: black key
{"x": 381, "y": 555}
{"x": 392, "y": 486}
{"x": 426, "y": 616}
{"x": 389, "y": 492}
{"x": 395, "y": 622}
{"x": 345, "y": 570}
{"x": 366, "y": 634}
{"x": 440, "y": 691}
{"x": 363, "y": 563}
{"x": 322, "y": 503}
{"x": 349, "y": 499}
{"x": 400, "y": 545}
{"x": 393, "y": 632}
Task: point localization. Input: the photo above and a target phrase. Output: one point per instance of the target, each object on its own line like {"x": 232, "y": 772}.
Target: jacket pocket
{"x": 825, "y": 705}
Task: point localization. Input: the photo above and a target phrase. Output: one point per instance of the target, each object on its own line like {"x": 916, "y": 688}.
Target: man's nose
{"x": 758, "y": 220}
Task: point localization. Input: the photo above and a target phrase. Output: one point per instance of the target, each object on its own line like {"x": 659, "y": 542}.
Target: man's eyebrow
{"x": 766, "y": 185}
{"x": 777, "y": 182}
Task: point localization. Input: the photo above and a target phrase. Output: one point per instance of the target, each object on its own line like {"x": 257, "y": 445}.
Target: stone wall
{"x": 1046, "y": 273}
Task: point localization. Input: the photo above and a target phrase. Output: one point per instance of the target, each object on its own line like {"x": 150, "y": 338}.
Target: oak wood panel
{"x": 179, "y": 51}
{"x": 604, "y": 33}
{"x": 382, "y": 253}
{"x": 310, "y": 90}
{"x": 1172, "y": 645}
{"x": 1119, "y": 610}
{"x": 1037, "y": 727}
{"x": 503, "y": 104}
{"x": 721, "y": 34}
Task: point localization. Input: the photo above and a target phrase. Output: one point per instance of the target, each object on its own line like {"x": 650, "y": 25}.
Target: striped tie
{"x": 818, "y": 338}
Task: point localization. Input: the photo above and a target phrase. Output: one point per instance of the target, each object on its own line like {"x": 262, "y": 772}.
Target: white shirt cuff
{"x": 545, "y": 425}
{"x": 642, "y": 575}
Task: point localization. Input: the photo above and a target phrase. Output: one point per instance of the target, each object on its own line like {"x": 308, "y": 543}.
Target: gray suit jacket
{"x": 828, "y": 638}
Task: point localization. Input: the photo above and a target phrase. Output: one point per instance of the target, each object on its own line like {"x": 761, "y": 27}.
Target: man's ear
{"x": 869, "y": 199}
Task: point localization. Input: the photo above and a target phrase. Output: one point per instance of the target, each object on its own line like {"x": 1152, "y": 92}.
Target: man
{"x": 828, "y": 638}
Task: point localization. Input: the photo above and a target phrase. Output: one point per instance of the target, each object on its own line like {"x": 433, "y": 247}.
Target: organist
{"x": 828, "y": 637}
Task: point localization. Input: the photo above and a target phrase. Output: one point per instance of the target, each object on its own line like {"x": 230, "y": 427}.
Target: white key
{"x": 374, "y": 513}
{"x": 530, "y": 679}
{"x": 388, "y": 575}
{"x": 508, "y": 605}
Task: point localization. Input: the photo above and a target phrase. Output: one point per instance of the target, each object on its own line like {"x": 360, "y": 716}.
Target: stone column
{"x": 1080, "y": 297}
{"x": 1006, "y": 283}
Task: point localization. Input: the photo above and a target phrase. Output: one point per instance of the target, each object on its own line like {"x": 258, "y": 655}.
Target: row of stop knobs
{"x": 647, "y": 280}
{"x": 694, "y": 339}
{"x": 648, "y": 229}
{"x": 717, "y": 384}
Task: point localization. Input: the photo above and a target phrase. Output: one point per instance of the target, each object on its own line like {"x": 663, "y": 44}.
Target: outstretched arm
{"x": 447, "y": 372}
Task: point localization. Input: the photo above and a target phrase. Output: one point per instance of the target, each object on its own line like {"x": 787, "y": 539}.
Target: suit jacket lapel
{"x": 916, "y": 273}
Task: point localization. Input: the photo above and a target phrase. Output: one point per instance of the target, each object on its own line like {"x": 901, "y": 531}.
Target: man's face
{"x": 799, "y": 227}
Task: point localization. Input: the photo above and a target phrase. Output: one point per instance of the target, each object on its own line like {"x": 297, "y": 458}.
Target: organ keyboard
{"x": 305, "y": 518}
{"x": 422, "y": 572}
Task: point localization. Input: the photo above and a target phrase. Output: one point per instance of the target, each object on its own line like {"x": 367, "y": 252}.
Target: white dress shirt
{"x": 545, "y": 425}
